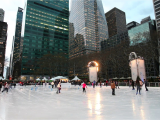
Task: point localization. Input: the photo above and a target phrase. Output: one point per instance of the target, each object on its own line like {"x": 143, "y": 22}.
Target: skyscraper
{"x": 156, "y": 4}
{"x": 16, "y": 53}
{"x": 1, "y": 15}
{"x": 88, "y": 27}
{"x": 116, "y": 21}
{"x": 46, "y": 31}
{"x": 3, "y": 40}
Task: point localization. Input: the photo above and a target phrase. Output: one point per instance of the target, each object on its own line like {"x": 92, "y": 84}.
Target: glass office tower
{"x": 88, "y": 27}
{"x": 137, "y": 32}
{"x": 46, "y": 31}
{"x": 16, "y": 53}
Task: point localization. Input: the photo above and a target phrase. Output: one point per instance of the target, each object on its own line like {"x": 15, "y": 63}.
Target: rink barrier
{"x": 150, "y": 84}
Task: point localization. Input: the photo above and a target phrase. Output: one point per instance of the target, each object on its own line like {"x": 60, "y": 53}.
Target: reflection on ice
{"x": 72, "y": 104}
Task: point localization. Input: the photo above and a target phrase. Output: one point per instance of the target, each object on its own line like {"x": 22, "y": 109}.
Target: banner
{"x": 141, "y": 69}
{"x": 92, "y": 74}
{"x": 134, "y": 73}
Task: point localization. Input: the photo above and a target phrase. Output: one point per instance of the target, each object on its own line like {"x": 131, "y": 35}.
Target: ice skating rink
{"x": 42, "y": 103}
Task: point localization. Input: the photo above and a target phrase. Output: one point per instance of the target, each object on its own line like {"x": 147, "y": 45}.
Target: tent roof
{"x": 59, "y": 77}
{"x": 76, "y": 78}
{"x": 38, "y": 79}
{"x": 44, "y": 78}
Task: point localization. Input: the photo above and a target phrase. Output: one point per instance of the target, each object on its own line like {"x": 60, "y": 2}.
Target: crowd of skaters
{"x": 57, "y": 84}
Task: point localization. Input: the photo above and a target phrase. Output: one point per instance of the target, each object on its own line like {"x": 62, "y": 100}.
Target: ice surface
{"x": 43, "y": 103}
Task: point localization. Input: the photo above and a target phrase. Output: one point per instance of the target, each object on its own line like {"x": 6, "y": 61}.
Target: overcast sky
{"x": 135, "y": 11}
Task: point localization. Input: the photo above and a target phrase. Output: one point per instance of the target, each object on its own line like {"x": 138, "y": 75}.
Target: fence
{"x": 150, "y": 84}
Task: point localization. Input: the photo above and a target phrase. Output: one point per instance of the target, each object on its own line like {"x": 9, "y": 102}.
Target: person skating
{"x": 52, "y": 83}
{"x": 106, "y": 83}
{"x": 94, "y": 83}
{"x": 6, "y": 86}
{"x": 117, "y": 84}
{"x": 100, "y": 84}
{"x": 0, "y": 86}
{"x": 146, "y": 84}
{"x": 84, "y": 86}
{"x": 132, "y": 85}
{"x": 58, "y": 86}
{"x": 60, "y": 89}
{"x": 113, "y": 88}
{"x": 14, "y": 85}
{"x": 138, "y": 86}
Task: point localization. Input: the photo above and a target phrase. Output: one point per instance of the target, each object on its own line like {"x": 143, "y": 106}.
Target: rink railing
{"x": 150, "y": 84}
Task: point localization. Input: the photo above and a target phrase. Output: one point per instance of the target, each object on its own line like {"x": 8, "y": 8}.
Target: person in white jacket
{"x": 52, "y": 83}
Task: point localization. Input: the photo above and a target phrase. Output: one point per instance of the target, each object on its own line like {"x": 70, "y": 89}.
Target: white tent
{"x": 44, "y": 78}
{"x": 60, "y": 77}
{"x": 38, "y": 79}
{"x": 115, "y": 78}
{"x": 53, "y": 79}
{"x": 122, "y": 78}
{"x": 76, "y": 78}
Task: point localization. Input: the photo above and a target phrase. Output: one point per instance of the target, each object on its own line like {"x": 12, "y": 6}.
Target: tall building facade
{"x": 132, "y": 25}
{"x": 135, "y": 32}
{"x": 88, "y": 27}
{"x": 1, "y": 15}
{"x": 3, "y": 40}
{"x": 17, "y": 40}
{"x": 46, "y": 31}
{"x": 156, "y": 4}
{"x": 116, "y": 21}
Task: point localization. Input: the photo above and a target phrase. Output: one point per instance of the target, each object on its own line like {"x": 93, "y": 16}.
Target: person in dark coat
{"x": 116, "y": 82}
{"x": 146, "y": 84}
{"x": 132, "y": 85}
{"x": 138, "y": 86}
{"x": 0, "y": 86}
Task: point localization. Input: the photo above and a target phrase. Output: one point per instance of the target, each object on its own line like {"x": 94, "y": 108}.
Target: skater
{"x": 84, "y": 86}
{"x": 10, "y": 85}
{"x": 138, "y": 86}
{"x": 129, "y": 83}
{"x": 52, "y": 83}
{"x": 58, "y": 86}
{"x": 6, "y": 86}
{"x": 35, "y": 84}
{"x": 132, "y": 85}
{"x": 106, "y": 83}
{"x": 60, "y": 89}
{"x": 100, "y": 84}
{"x": 113, "y": 88}
{"x": 0, "y": 86}
{"x": 94, "y": 83}
{"x": 146, "y": 84}
{"x": 14, "y": 85}
{"x": 117, "y": 84}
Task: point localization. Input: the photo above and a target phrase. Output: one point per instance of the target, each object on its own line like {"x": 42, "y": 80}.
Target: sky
{"x": 135, "y": 10}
